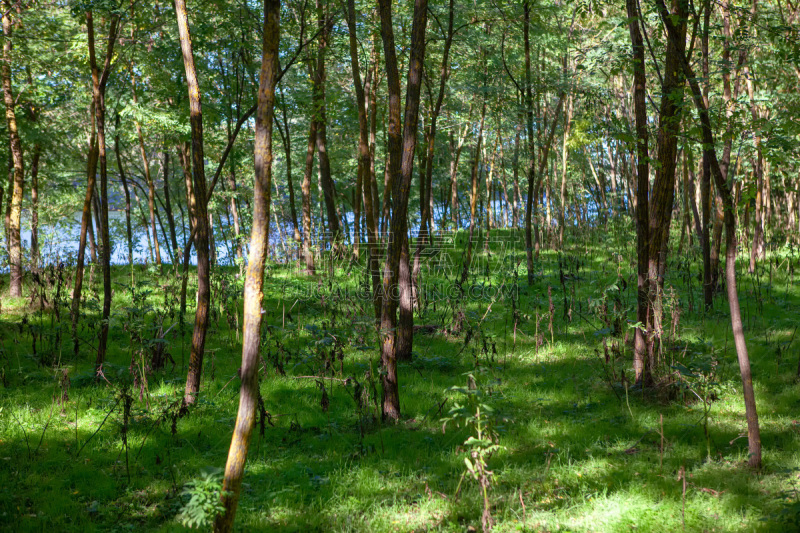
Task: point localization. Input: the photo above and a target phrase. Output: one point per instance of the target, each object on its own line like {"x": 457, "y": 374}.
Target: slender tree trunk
{"x": 201, "y": 215}
{"x": 124, "y": 179}
{"x": 151, "y": 190}
{"x": 474, "y": 192}
{"x": 98, "y": 158}
{"x": 640, "y": 367}
{"x": 401, "y": 145}
{"x": 363, "y": 187}
{"x": 287, "y": 145}
{"x": 35, "y": 252}
{"x": 720, "y": 179}
{"x": 253, "y": 293}
{"x": 168, "y": 209}
{"x": 15, "y": 203}
{"x": 306, "y": 192}
{"x": 320, "y": 115}
{"x": 562, "y": 222}
{"x": 426, "y": 179}
{"x": 757, "y": 248}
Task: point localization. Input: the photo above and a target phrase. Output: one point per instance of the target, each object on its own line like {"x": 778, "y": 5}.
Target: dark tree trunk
{"x": 400, "y": 146}
{"x": 720, "y": 179}
{"x": 168, "y": 210}
{"x": 124, "y": 179}
{"x": 663, "y": 193}
{"x": 363, "y": 187}
{"x": 640, "y": 367}
{"x": 200, "y": 213}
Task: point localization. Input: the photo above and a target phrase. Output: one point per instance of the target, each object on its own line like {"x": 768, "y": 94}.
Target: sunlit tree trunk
{"x": 18, "y": 182}
{"x": 253, "y": 293}
{"x": 308, "y": 254}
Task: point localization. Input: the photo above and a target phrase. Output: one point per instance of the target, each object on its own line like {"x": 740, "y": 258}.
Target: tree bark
{"x": 363, "y": 187}
{"x": 124, "y": 179}
{"x": 320, "y": 116}
{"x": 720, "y": 179}
{"x": 640, "y": 368}
{"x": 253, "y": 293}
{"x": 662, "y": 195}
{"x": 400, "y": 145}
{"x": 18, "y": 182}
{"x": 306, "y": 192}
{"x": 200, "y": 212}
{"x": 168, "y": 209}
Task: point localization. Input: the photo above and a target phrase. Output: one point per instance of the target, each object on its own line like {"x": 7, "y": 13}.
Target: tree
{"x": 396, "y": 342}
{"x": 200, "y": 211}
{"x": 259, "y": 241}
{"x": 18, "y": 181}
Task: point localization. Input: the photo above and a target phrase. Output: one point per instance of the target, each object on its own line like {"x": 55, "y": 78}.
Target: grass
{"x": 580, "y": 452}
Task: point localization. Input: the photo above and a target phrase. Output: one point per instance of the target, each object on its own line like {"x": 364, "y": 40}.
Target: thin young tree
{"x": 253, "y": 293}
{"x": 200, "y": 210}
{"x": 18, "y": 179}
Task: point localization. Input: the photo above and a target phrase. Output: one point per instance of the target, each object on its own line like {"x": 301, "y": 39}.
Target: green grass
{"x": 578, "y": 453}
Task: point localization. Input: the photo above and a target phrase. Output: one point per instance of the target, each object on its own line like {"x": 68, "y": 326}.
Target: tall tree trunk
{"x": 663, "y": 193}
{"x": 99, "y": 79}
{"x": 287, "y": 145}
{"x": 200, "y": 212}
{"x": 757, "y": 248}
{"x": 720, "y": 179}
{"x": 430, "y": 136}
{"x": 562, "y": 213}
{"x": 253, "y": 293}
{"x": 363, "y": 187}
{"x": 35, "y": 251}
{"x": 306, "y": 192}
{"x": 401, "y": 145}
{"x": 474, "y": 192}
{"x": 168, "y": 209}
{"x": 124, "y": 179}
{"x": 640, "y": 367}
{"x": 320, "y": 116}
{"x": 15, "y": 199}
{"x": 151, "y": 190}
{"x": 705, "y": 183}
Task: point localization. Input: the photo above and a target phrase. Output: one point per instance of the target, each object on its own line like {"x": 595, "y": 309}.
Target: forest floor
{"x": 578, "y": 447}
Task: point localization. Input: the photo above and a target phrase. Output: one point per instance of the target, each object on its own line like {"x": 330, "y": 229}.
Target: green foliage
{"x": 203, "y": 499}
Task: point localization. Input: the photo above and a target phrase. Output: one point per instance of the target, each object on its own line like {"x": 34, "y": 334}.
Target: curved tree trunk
{"x": 253, "y": 294}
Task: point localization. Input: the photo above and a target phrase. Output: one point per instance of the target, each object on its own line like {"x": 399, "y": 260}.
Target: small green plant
{"x": 788, "y": 515}
{"x": 698, "y": 377}
{"x": 475, "y": 413}
{"x": 203, "y": 497}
